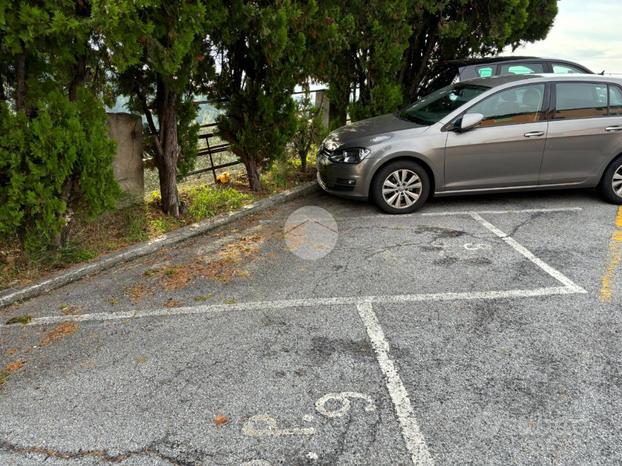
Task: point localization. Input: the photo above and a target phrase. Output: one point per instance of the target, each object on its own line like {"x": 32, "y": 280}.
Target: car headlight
{"x": 349, "y": 155}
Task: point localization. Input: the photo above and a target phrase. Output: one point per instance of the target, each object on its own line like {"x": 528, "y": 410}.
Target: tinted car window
{"x": 615, "y": 100}
{"x": 513, "y": 106}
{"x": 441, "y": 103}
{"x": 580, "y": 100}
{"x": 521, "y": 68}
{"x": 558, "y": 68}
{"x": 485, "y": 71}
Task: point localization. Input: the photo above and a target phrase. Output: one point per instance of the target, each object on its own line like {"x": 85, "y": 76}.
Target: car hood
{"x": 368, "y": 132}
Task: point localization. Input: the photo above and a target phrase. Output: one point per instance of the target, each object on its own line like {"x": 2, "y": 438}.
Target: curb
{"x": 148, "y": 247}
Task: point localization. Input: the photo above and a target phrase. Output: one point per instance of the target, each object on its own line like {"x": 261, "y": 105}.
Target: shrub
{"x": 63, "y": 145}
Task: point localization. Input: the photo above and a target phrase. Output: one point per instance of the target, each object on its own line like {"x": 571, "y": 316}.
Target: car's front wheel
{"x": 611, "y": 184}
{"x": 401, "y": 187}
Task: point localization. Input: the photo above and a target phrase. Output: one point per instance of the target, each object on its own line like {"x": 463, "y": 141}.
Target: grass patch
{"x": 207, "y": 201}
{"x": 19, "y": 320}
{"x": 203, "y": 298}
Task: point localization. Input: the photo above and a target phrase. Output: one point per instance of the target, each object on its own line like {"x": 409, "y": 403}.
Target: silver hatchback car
{"x": 502, "y": 134}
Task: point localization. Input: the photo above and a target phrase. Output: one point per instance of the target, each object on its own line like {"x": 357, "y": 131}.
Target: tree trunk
{"x": 20, "y": 82}
{"x": 338, "y": 110}
{"x": 252, "y": 171}
{"x": 168, "y": 152}
{"x": 78, "y": 78}
{"x": 303, "y": 161}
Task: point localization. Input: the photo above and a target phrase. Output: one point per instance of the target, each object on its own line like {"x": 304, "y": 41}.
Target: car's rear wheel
{"x": 611, "y": 184}
{"x": 401, "y": 187}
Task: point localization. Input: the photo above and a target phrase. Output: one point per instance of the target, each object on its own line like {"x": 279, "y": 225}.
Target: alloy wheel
{"x": 402, "y": 188}
{"x": 616, "y": 183}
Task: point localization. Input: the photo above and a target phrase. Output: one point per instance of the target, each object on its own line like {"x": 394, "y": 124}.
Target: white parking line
{"x": 468, "y": 212}
{"x": 309, "y": 302}
{"x": 556, "y": 274}
{"x": 501, "y": 212}
{"x": 415, "y": 441}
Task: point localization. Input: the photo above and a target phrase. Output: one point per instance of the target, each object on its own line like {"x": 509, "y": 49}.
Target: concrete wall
{"x": 127, "y": 131}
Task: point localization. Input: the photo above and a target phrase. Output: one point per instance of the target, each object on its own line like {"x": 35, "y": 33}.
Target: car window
{"x": 558, "y": 68}
{"x": 521, "y": 68}
{"x": 615, "y": 100}
{"x": 580, "y": 100}
{"x": 485, "y": 71}
{"x": 513, "y": 106}
{"x": 437, "y": 105}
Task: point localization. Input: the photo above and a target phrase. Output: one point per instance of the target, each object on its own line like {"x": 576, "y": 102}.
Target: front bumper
{"x": 343, "y": 179}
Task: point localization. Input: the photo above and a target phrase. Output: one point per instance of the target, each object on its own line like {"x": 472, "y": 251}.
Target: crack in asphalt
{"x": 105, "y": 455}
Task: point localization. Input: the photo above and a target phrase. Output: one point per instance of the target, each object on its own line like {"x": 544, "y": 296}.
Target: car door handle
{"x": 613, "y": 129}
{"x": 534, "y": 134}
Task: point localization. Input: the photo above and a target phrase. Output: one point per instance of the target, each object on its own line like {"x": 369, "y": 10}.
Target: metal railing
{"x": 210, "y": 149}
{"x": 208, "y": 133}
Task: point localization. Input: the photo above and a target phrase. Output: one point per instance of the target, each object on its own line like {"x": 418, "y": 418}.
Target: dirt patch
{"x": 229, "y": 263}
{"x": 137, "y": 292}
{"x": 59, "y": 332}
{"x": 170, "y": 303}
{"x": 9, "y": 369}
{"x": 226, "y": 265}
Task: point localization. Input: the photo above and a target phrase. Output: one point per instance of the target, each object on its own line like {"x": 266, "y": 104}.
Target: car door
{"x": 583, "y": 132}
{"x": 505, "y": 150}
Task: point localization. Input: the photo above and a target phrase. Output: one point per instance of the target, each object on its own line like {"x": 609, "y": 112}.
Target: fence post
{"x": 322, "y": 103}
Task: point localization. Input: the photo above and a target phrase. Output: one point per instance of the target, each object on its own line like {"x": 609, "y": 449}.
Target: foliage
{"x": 206, "y": 201}
{"x": 367, "y": 54}
{"x": 262, "y": 50}
{"x": 279, "y": 175}
{"x": 37, "y": 157}
{"x": 448, "y": 29}
{"x": 159, "y": 56}
{"x": 310, "y": 129}
{"x": 55, "y": 153}
{"x": 391, "y": 51}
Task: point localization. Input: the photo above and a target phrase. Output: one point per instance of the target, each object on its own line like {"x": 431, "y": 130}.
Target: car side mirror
{"x": 470, "y": 121}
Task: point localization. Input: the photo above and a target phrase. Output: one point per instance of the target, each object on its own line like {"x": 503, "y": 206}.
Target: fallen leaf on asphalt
{"x": 69, "y": 310}
{"x": 59, "y": 332}
{"x": 221, "y": 420}
{"x": 14, "y": 366}
{"x": 172, "y": 303}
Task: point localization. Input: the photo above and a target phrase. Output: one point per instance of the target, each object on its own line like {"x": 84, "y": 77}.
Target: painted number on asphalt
{"x": 263, "y": 425}
{"x": 343, "y": 403}
{"x": 476, "y": 246}
{"x": 331, "y": 405}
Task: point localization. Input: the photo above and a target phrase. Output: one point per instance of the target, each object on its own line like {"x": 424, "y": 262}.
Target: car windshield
{"x": 437, "y": 105}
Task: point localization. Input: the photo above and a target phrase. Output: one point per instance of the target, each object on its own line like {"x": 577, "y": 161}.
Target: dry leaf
{"x": 221, "y": 420}
{"x": 14, "y": 366}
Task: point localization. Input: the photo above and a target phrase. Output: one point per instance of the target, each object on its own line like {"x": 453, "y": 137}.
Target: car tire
{"x": 401, "y": 187}
{"x": 610, "y": 186}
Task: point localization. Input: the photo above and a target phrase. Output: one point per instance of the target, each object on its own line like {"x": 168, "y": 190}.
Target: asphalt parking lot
{"x": 481, "y": 330}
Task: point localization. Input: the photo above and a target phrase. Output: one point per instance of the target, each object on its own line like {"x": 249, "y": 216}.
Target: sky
{"x": 588, "y": 32}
